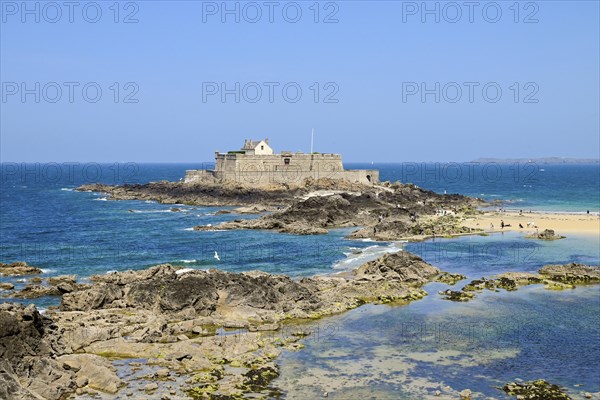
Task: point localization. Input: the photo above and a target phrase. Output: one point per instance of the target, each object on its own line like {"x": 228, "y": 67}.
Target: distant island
{"x": 541, "y": 160}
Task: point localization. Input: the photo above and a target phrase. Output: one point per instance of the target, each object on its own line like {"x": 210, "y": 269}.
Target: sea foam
{"x": 368, "y": 254}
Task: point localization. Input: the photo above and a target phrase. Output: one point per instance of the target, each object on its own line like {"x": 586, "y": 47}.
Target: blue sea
{"x": 375, "y": 351}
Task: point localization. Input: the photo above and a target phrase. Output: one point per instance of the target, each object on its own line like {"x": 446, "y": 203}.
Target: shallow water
{"x": 381, "y": 351}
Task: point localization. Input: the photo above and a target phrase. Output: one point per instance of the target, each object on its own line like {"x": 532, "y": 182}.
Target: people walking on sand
{"x": 501, "y": 224}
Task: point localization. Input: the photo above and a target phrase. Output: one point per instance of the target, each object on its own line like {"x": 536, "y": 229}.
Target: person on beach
{"x": 491, "y": 226}
{"x": 501, "y": 224}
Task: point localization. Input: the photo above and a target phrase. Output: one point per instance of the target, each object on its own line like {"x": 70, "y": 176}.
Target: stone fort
{"x": 256, "y": 164}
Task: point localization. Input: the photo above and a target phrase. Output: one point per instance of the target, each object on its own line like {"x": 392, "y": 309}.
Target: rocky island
{"x": 389, "y": 211}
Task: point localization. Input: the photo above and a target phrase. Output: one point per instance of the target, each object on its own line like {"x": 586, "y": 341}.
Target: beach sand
{"x": 560, "y": 223}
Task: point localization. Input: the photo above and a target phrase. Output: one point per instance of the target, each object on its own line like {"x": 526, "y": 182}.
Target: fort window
{"x": 262, "y": 147}
{"x": 286, "y": 161}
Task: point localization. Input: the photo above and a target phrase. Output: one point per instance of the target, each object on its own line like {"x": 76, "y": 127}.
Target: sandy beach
{"x": 560, "y": 223}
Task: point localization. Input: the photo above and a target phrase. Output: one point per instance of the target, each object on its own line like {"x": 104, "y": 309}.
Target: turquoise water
{"x": 376, "y": 351}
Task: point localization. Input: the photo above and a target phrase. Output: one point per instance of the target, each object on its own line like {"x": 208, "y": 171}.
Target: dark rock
{"x": 450, "y": 279}
{"x": 552, "y": 276}
{"x": 260, "y": 378}
{"x": 457, "y": 295}
{"x": 535, "y": 390}
{"x": 181, "y": 357}
{"x": 388, "y": 207}
{"x": 162, "y": 289}
{"x": 27, "y": 365}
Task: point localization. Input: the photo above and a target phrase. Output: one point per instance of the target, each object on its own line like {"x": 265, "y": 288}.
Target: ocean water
{"x": 526, "y": 186}
{"x": 374, "y": 350}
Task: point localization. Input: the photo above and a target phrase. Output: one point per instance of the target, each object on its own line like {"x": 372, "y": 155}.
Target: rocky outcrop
{"x": 162, "y": 289}
{"x": 296, "y": 228}
{"x": 221, "y": 193}
{"x": 449, "y": 278}
{"x": 555, "y": 277}
{"x": 205, "y": 194}
{"x": 62, "y": 279}
{"x": 170, "y": 317}
{"x": 546, "y": 234}
{"x": 388, "y": 211}
{"x": 56, "y": 286}
{"x": 36, "y": 291}
{"x": 457, "y": 295}
{"x": 401, "y": 266}
{"x": 17, "y": 269}
{"x": 572, "y": 274}
{"x": 28, "y": 369}
{"x": 417, "y": 229}
{"x": 377, "y": 211}
{"x": 535, "y": 390}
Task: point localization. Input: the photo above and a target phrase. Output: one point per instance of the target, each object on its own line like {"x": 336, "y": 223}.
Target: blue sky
{"x": 370, "y": 67}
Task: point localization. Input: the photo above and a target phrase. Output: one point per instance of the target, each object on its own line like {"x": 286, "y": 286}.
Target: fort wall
{"x": 286, "y": 167}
